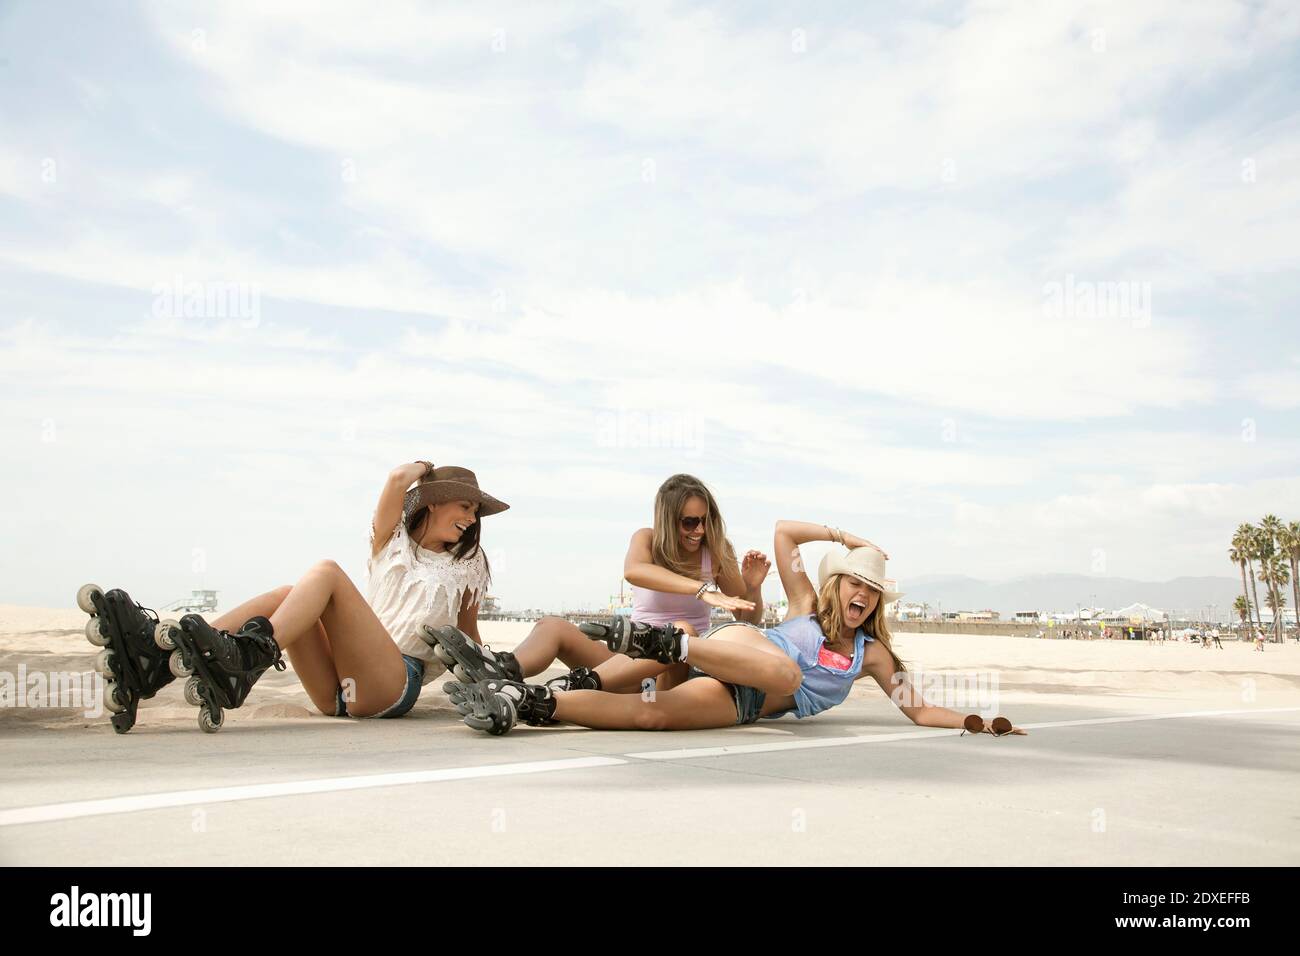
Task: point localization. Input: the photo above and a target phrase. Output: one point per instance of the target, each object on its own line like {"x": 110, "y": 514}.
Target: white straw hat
{"x": 865, "y": 564}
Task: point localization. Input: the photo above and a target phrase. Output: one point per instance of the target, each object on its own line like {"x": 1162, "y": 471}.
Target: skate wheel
{"x": 192, "y": 696}
{"x": 84, "y": 597}
{"x": 444, "y": 655}
{"x": 209, "y": 722}
{"x": 475, "y": 722}
{"x": 176, "y": 664}
{"x": 162, "y": 635}
{"x": 462, "y": 675}
{"x": 503, "y": 716}
{"x": 596, "y": 631}
{"x": 111, "y": 702}
{"x": 104, "y": 662}
{"x": 95, "y": 632}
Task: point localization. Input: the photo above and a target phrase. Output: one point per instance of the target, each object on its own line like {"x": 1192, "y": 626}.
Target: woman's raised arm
{"x": 389, "y": 510}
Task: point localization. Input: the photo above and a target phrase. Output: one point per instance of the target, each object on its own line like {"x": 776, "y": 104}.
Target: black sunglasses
{"x": 691, "y": 523}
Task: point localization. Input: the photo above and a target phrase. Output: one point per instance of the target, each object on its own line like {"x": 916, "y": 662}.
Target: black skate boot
{"x": 224, "y": 666}
{"x": 133, "y": 665}
{"x": 580, "y": 678}
{"x": 495, "y": 706}
{"x": 469, "y": 661}
{"x": 638, "y": 641}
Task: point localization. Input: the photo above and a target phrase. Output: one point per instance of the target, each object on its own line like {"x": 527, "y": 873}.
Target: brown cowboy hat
{"x": 450, "y": 483}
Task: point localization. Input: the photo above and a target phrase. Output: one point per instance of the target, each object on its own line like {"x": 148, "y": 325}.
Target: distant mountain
{"x": 1064, "y": 592}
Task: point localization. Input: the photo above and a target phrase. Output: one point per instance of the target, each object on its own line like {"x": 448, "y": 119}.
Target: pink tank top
{"x": 659, "y": 607}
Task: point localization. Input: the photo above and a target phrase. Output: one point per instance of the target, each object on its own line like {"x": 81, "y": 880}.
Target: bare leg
{"x": 740, "y": 654}
{"x": 264, "y": 605}
{"x": 311, "y": 656}
{"x": 623, "y": 675}
{"x": 675, "y": 674}
{"x": 553, "y": 638}
{"x": 364, "y": 652}
{"x": 696, "y": 705}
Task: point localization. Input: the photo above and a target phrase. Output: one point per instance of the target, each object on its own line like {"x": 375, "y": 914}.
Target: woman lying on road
{"x": 833, "y": 635}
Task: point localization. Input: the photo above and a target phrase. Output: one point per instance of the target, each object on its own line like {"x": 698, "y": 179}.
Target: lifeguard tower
{"x": 197, "y": 601}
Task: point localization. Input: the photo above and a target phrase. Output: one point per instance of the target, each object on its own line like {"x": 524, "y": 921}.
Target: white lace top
{"x": 409, "y": 586}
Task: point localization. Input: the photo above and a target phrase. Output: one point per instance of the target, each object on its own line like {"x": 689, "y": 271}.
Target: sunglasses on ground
{"x": 974, "y": 724}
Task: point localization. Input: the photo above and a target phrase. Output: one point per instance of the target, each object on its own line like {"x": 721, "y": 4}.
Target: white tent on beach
{"x": 1137, "y": 613}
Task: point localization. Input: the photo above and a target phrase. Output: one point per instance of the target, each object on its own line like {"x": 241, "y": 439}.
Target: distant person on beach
{"x": 357, "y": 655}
{"x": 834, "y": 634}
{"x": 680, "y": 569}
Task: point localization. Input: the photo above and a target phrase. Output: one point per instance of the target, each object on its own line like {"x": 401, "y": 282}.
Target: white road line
{"x": 691, "y": 753}
{"x": 180, "y": 798}
{"x": 156, "y": 801}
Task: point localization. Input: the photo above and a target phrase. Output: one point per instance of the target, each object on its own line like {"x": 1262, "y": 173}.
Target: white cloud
{"x": 614, "y": 242}
{"x": 1275, "y": 388}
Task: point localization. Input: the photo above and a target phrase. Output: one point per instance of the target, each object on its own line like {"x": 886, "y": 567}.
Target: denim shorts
{"x": 410, "y": 694}
{"x": 749, "y": 700}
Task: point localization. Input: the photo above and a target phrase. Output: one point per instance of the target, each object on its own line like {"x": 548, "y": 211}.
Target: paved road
{"x": 1092, "y": 784}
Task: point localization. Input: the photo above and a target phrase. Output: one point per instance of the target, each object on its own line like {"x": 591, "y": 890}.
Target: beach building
{"x": 1288, "y": 617}
{"x": 984, "y": 615}
{"x": 1136, "y": 622}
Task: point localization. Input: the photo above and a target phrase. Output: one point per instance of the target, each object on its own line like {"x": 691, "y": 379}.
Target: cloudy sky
{"x": 1008, "y": 288}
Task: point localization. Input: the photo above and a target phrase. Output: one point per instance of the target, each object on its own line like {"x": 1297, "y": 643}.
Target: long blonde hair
{"x": 666, "y": 550}
{"x": 830, "y": 615}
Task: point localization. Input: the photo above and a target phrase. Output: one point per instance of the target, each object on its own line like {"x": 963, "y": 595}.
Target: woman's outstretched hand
{"x": 726, "y": 602}
{"x": 754, "y": 569}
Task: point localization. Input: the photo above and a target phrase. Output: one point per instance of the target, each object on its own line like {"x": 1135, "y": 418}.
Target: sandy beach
{"x": 1027, "y": 670}
{"x": 1160, "y": 740}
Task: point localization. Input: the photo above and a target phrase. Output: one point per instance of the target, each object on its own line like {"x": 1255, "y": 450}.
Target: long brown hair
{"x": 667, "y": 551}
{"x": 830, "y": 615}
{"x": 466, "y": 547}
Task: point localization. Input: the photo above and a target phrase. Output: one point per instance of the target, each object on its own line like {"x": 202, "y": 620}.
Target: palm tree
{"x": 1276, "y": 599}
{"x": 1270, "y": 527}
{"x": 1280, "y": 571}
{"x": 1237, "y": 554}
{"x": 1242, "y": 607}
{"x": 1291, "y": 548}
{"x": 1249, "y": 535}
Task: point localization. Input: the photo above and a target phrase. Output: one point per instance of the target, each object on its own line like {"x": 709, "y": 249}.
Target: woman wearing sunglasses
{"x": 834, "y": 634}
{"x": 680, "y": 570}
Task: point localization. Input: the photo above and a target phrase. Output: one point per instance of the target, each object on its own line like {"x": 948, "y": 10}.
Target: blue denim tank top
{"x": 823, "y": 687}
